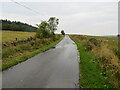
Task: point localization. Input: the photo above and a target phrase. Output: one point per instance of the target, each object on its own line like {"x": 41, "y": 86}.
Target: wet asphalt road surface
{"x": 55, "y": 68}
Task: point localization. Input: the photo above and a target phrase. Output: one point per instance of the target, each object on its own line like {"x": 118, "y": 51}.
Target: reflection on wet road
{"x": 55, "y": 68}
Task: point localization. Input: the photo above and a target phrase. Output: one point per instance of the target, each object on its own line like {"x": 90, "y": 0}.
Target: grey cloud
{"x": 85, "y": 18}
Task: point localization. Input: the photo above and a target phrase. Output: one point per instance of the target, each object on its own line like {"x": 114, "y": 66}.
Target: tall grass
{"x": 15, "y": 54}
{"x": 92, "y": 75}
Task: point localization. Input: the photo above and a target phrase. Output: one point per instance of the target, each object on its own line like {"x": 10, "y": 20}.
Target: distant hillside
{"x": 17, "y": 26}
{"x": 112, "y": 36}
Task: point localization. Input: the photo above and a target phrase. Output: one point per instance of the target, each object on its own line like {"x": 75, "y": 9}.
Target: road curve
{"x": 55, "y": 68}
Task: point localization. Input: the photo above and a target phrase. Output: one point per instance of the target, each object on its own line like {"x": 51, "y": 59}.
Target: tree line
{"x": 45, "y": 29}
{"x": 17, "y": 26}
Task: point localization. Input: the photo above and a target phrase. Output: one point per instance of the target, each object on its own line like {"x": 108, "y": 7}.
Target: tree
{"x": 53, "y": 22}
{"x": 47, "y": 28}
{"x": 62, "y": 32}
{"x": 118, "y": 35}
{"x": 43, "y": 30}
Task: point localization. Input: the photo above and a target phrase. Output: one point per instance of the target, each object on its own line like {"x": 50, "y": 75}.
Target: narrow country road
{"x": 55, "y": 68}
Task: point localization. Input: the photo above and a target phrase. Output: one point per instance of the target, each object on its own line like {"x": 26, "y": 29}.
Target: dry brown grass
{"x": 13, "y": 55}
{"x": 9, "y": 36}
{"x": 106, "y": 55}
{"x": 109, "y": 62}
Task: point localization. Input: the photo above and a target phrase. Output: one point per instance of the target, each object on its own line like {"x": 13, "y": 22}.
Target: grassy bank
{"x": 15, "y": 54}
{"x": 97, "y": 61}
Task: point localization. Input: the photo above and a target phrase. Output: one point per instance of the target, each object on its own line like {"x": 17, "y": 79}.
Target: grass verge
{"x": 26, "y": 51}
{"x": 91, "y": 74}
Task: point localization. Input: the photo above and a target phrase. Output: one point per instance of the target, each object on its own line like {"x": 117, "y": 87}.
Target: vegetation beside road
{"x": 19, "y": 50}
{"x": 99, "y": 62}
{"x": 16, "y": 54}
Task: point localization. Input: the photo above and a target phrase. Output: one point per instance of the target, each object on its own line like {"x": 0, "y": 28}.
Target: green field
{"x": 99, "y": 61}
{"x": 8, "y": 36}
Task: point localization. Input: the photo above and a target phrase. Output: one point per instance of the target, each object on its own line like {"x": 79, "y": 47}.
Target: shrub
{"x": 25, "y": 47}
{"x": 32, "y": 43}
{"x": 117, "y": 52}
{"x": 95, "y": 41}
{"x": 7, "y": 52}
{"x": 88, "y": 46}
{"x": 62, "y": 32}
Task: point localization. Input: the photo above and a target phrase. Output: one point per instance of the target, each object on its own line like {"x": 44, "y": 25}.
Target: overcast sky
{"x": 93, "y": 18}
